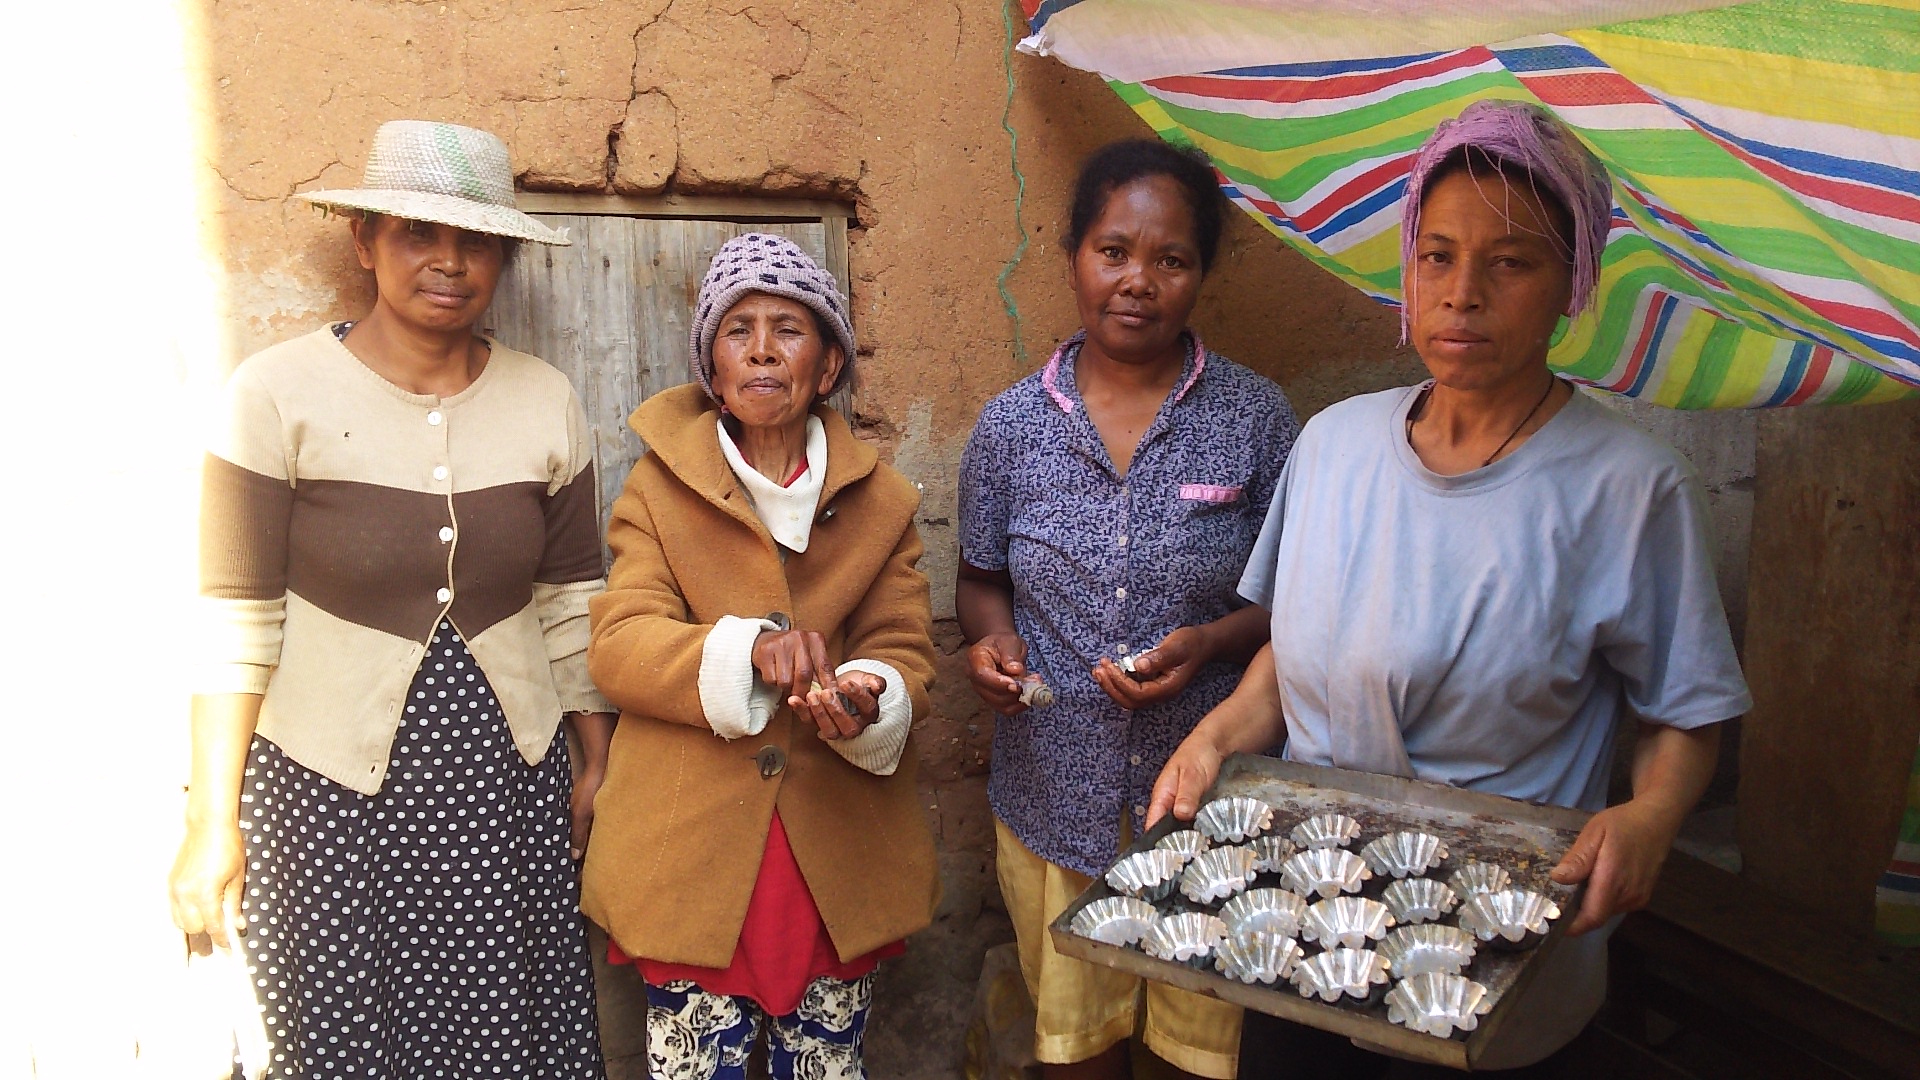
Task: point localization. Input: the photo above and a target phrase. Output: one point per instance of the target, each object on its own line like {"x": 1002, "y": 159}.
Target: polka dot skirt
{"x": 433, "y": 929}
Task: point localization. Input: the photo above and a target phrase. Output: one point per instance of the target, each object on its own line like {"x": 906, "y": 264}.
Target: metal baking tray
{"x": 1526, "y": 839}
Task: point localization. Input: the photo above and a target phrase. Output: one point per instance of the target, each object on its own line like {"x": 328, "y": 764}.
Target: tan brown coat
{"x": 681, "y": 821}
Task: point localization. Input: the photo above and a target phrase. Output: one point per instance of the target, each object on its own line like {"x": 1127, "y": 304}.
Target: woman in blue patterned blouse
{"x": 1107, "y": 504}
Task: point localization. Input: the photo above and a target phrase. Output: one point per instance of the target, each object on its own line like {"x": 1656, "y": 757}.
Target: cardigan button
{"x": 772, "y": 760}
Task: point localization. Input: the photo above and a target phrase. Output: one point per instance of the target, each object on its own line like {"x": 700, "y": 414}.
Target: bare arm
{"x": 1248, "y": 722}
{"x": 209, "y": 871}
{"x": 1620, "y": 852}
{"x": 595, "y": 732}
{"x": 983, "y": 599}
{"x": 997, "y": 656}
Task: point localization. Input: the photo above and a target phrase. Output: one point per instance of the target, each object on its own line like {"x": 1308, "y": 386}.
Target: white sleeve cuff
{"x": 878, "y": 748}
{"x": 737, "y": 703}
{"x": 238, "y": 644}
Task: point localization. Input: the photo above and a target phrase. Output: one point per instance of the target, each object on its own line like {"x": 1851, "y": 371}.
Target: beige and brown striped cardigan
{"x": 343, "y": 518}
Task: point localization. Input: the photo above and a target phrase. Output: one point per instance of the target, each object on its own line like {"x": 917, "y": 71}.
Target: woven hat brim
{"x": 441, "y": 210}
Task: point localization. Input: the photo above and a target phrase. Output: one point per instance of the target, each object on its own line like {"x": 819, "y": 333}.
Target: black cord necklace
{"x": 1420, "y": 405}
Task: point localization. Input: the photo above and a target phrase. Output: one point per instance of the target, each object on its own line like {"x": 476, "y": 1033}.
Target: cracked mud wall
{"x": 891, "y": 105}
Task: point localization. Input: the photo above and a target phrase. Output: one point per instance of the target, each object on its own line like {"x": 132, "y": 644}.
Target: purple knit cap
{"x": 775, "y": 265}
{"x": 1524, "y": 135}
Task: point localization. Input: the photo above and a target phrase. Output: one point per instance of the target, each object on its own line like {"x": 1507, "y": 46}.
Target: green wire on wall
{"x": 1019, "y": 189}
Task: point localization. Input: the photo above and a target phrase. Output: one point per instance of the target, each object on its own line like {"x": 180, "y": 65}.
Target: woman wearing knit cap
{"x": 759, "y": 846}
{"x": 1472, "y": 578}
{"x": 399, "y": 543}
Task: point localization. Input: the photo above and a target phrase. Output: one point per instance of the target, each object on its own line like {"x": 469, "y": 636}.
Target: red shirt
{"x": 784, "y": 945}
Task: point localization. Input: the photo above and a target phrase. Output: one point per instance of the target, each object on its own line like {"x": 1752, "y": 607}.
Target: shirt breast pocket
{"x": 1198, "y": 495}
{"x": 1211, "y": 517}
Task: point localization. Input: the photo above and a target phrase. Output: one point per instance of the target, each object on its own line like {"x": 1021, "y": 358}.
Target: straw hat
{"x": 451, "y": 175}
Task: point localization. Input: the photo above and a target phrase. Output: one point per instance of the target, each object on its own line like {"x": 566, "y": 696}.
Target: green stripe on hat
{"x": 448, "y": 140}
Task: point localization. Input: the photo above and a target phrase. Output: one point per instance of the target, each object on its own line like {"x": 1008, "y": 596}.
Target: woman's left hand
{"x": 1160, "y": 673}
{"x": 828, "y": 707}
{"x": 1618, "y": 855}
{"x": 585, "y": 787}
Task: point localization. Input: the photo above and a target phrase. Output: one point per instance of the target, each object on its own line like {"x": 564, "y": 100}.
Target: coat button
{"x": 773, "y": 761}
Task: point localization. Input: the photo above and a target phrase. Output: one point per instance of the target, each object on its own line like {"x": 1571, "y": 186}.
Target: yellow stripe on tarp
{"x": 1887, "y": 389}
{"x": 1421, "y": 122}
{"x": 1870, "y": 99}
{"x": 1758, "y": 362}
{"x": 1735, "y": 204}
{"x": 1674, "y": 368}
{"x": 1156, "y": 117}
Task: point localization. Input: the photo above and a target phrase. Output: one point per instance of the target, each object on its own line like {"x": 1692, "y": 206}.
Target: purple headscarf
{"x": 1523, "y": 135}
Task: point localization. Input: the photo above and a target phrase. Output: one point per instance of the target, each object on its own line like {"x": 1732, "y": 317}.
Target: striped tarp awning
{"x": 1765, "y": 158}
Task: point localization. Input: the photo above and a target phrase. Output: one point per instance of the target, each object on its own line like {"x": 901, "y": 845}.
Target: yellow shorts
{"x": 1081, "y": 1008}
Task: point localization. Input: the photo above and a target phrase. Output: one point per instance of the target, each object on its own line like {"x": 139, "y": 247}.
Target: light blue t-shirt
{"x": 1485, "y": 630}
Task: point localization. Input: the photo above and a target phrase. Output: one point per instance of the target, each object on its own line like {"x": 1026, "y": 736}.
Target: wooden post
{"x": 1832, "y": 653}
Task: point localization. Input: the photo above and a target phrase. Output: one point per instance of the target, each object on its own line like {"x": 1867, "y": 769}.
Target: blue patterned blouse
{"x": 1105, "y": 565}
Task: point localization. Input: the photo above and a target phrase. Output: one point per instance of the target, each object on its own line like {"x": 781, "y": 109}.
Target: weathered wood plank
{"x": 1780, "y": 966}
{"x": 1832, "y": 647}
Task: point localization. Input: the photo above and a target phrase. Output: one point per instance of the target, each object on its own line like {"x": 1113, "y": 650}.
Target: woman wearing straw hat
{"x": 399, "y": 545}
{"x": 766, "y": 634}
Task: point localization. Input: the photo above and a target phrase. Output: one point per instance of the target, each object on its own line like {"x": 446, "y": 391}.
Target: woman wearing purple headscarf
{"x": 1473, "y": 578}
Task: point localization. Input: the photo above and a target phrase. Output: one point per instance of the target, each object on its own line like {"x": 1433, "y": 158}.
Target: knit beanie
{"x": 775, "y": 265}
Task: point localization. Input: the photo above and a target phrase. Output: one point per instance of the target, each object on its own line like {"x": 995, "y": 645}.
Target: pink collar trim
{"x": 1050, "y": 375}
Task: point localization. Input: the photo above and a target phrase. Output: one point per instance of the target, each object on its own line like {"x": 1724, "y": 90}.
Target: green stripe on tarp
{"x": 1870, "y": 35}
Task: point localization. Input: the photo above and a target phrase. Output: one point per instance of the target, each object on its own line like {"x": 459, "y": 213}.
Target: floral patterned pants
{"x": 694, "y": 1035}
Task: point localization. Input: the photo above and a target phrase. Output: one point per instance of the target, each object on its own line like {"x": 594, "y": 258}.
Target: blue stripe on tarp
{"x": 1321, "y": 69}
{"x": 1897, "y": 348}
{"x": 1890, "y": 177}
{"x": 1360, "y": 211}
{"x": 1797, "y": 361}
{"x": 1047, "y": 10}
{"x": 1651, "y": 359}
{"x": 1905, "y": 883}
{"x": 1547, "y": 58}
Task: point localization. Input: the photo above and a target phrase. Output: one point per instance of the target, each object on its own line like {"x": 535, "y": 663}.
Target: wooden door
{"x": 611, "y": 310}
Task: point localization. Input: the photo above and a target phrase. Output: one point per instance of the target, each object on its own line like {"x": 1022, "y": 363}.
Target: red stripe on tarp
{"x": 1341, "y": 198}
{"x": 1266, "y": 206}
{"x": 1856, "y": 318}
{"x": 1862, "y": 197}
{"x": 1639, "y": 355}
{"x": 1816, "y": 376}
{"x": 1316, "y": 88}
{"x": 1672, "y": 216}
{"x": 1578, "y": 88}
